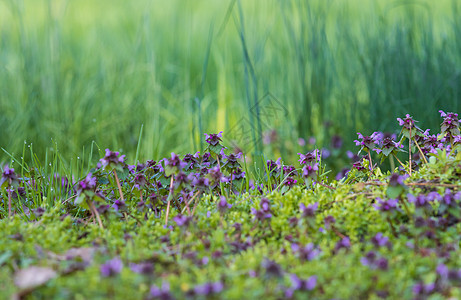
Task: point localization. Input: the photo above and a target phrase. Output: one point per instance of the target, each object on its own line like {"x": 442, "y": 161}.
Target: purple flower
{"x": 140, "y": 181}
{"x": 407, "y": 122}
{"x": 309, "y": 157}
{"x": 198, "y": 181}
{"x": 230, "y": 161}
{"x": 191, "y": 160}
{"x": 443, "y": 271}
{"x": 388, "y": 146}
{"x": 421, "y": 289}
{"x": 238, "y": 174}
{"x": 325, "y": 153}
{"x": 162, "y": 293}
{"x": 449, "y": 199}
{"x": 329, "y": 221}
{"x": 175, "y": 162}
{"x": 367, "y": 142}
{"x": 144, "y": 268}
{"x": 265, "y": 205}
{"x": 223, "y": 206}
{"x": 309, "y": 211}
{"x": 213, "y": 139}
{"x": 182, "y": 221}
{"x": 336, "y": 142}
{"x": 341, "y": 174}
{"x": 359, "y": 165}
{"x": 112, "y": 159}
{"x": 308, "y": 252}
{"x": 272, "y": 268}
{"x": 9, "y": 176}
{"x": 87, "y": 184}
{"x": 118, "y": 205}
{"x": 215, "y": 175}
{"x": 343, "y": 243}
{"x": 386, "y": 205}
{"x": 379, "y": 240}
{"x": 397, "y": 180}
{"x": 289, "y": 170}
{"x": 289, "y": 182}
{"x": 421, "y": 201}
{"x": 274, "y": 166}
{"x": 111, "y": 267}
{"x": 260, "y": 215}
{"x": 209, "y": 288}
{"x": 303, "y": 285}
{"x": 310, "y": 171}
{"x": 450, "y": 124}
{"x": 372, "y": 261}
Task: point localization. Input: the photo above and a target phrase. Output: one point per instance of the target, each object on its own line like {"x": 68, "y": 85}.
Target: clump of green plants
{"x": 200, "y": 226}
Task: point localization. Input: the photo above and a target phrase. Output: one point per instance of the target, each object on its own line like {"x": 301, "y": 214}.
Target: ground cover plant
{"x": 201, "y": 226}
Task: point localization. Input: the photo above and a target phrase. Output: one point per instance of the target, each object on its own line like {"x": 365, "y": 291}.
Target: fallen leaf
{"x": 32, "y": 277}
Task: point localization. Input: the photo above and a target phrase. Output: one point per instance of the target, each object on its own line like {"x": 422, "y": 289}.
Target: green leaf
{"x": 394, "y": 191}
{"x": 5, "y": 256}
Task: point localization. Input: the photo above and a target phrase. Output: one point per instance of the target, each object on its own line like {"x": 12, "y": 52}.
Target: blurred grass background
{"x": 73, "y": 72}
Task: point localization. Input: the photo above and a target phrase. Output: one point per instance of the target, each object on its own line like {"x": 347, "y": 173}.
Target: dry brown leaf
{"x": 32, "y": 277}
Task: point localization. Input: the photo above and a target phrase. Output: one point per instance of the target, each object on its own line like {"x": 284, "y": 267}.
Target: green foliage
{"x": 186, "y": 256}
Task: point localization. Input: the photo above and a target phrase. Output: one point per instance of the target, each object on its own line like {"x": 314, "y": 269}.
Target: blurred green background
{"x": 266, "y": 72}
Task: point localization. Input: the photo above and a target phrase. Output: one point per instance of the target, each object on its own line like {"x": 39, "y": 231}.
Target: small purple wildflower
{"x": 215, "y": 175}
{"x": 111, "y": 267}
{"x": 325, "y": 153}
{"x": 303, "y": 285}
{"x": 144, "y": 268}
{"x": 309, "y": 210}
{"x": 397, "y": 180}
{"x": 272, "y": 268}
{"x": 443, "y": 271}
{"x": 140, "y": 181}
{"x": 308, "y": 252}
{"x": 265, "y": 205}
{"x": 238, "y": 174}
{"x": 421, "y": 201}
{"x": 386, "y": 205}
{"x": 329, "y": 221}
{"x": 289, "y": 182}
{"x": 421, "y": 289}
{"x": 450, "y": 124}
{"x": 175, "y": 162}
{"x": 310, "y": 171}
{"x": 162, "y": 293}
{"x": 343, "y": 243}
{"x": 260, "y": 215}
{"x": 407, "y": 122}
{"x": 336, "y": 142}
{"x": 87, "y": 184}
{"x": 289, "y": 170}
{"x": 118, "y": 205}
{"x": 379, "y": 240}
{"x": 182, "y": 221}
{"x": 209, "y": 288}
{"x": 112, "y": 159}
{"x": 309, "y": 157}
{"x": 223, "y": 205}
{"x": 9, "y": 176}
{"x": 372, "y": 261}
{"x": 214, "y": 138}
{"x": 367, "y": 142}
